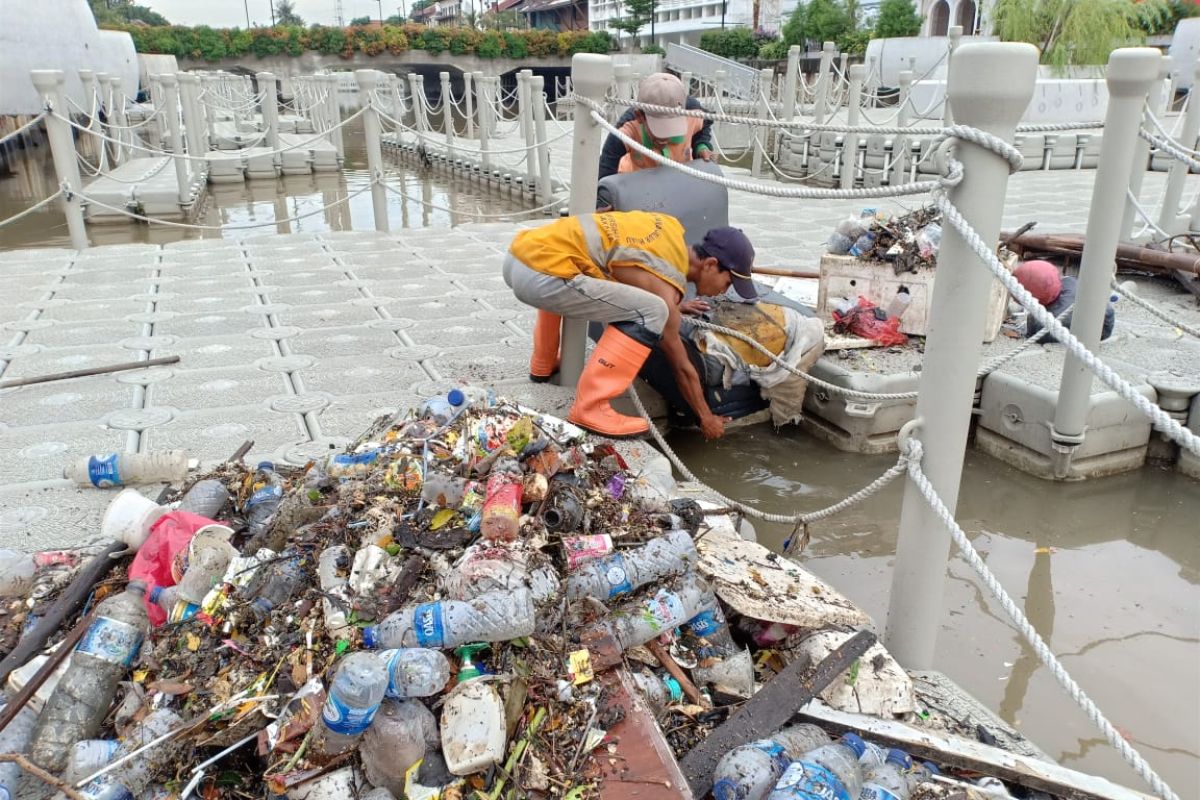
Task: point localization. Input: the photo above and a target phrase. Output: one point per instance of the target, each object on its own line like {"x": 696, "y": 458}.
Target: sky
{"x": 231, "y": 13}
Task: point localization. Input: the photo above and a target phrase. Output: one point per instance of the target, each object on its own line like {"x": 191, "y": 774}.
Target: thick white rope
{"x": 14, "y": 134}
{"x": 1147, "y": 220}
{"x": 913, "y": 450}
{"x": 1156, "y": 311}
{"x": 1168, "y": 137}
{"x": 1171, "y": 148}
{"x": 33, "y": 208}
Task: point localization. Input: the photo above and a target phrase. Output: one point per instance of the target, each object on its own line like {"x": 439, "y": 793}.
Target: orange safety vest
{"x": 678, "y": 149}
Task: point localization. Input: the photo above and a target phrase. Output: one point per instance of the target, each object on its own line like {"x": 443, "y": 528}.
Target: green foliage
{"x": 491, "y": 45}
{"x": 1074, "y": 32}
{"x": 435, "y": 40}
{"x": 360, "y": 21}
{"x": 514, "y": 45}
{"x": 775, "y": 49}
{"x": 637, "y": 15}
{"x": 285, "y": 13}
{"x": 818, "y": 21}
{"x": 1176, "y": 11}
{"x": 730, "y": 43}
{"x": 854, "y": 42}
{"x": 209, "y": 44}
{"x": 593, "y": 42}
{"x": 897, "y": 18}
{"x": 655, "y": 50}
{"x": 116, "y": 12}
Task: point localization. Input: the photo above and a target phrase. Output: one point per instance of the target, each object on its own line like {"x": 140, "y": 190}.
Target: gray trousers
{"x": 586, "y": 298}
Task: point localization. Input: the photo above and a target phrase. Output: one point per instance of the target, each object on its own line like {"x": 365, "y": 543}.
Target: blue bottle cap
{"x": 855, "y": 743}
{"x": 931, "y": 768}
{"x": 456, "y": 397}
{"x": 900, "y": 758}
{"x": 369, "y": 637}
{"x": 155, "y": 593}
{"x": 266, "y": 466}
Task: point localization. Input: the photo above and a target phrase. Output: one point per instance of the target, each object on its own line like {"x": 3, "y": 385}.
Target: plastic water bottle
{"x": 133, "y": 777}
{"x": 206, "y": 564}
{"x": 354, "y": 697}
{"x": 282, "y": 581}
{"x": 102, "y": 658}
{"x": 640, "y": 620}
{"x": 920, "y": 773}
{"x": 261, "y": 507}
{"x": 750, "y": 771}
{"x": 332, "y": 563}
{"x": 206, "y": 498}
{"x": 15, "y": 739}
{"x": 398, "y": 738}
{"x": 485, "y": 568}
{"x": 863, "y": 244}
{"x": 18, "y": 570}
{"x": 830, "y": 772}
{"x": 899, "y": 304}
{"x": 442, "y": 624}
{"x": 125, "y": 469}
{"x": 415, "y": 672}
{"x": 889, "y": 780}
{"x": 502, "y": 508}
{"x": 88, "y": 756}
{"x": 444, "y": 491}
{"x": 710, "y": 624}
{"x": 623, "y": 572}
{"x": 438, "y": 409}
{"x": 873, "y": 756}
{"x": 658, "y": 691}
{"x": 465, "y": 397}
{"x": 929, "y": 240}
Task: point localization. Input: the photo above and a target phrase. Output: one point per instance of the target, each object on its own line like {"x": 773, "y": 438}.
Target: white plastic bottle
{"x": 87, "y": 756}
{"x": 19, "y": 570}
{"x": 828, "y": 772}
{"x": 889, "y": 780}
{"x": 442, "y": 624}
{"x": 640, "y": 620}
{"x": 331, "y": 564}
{"x": 750, "y": 771}
{"x": 206, "y": 498}
{"x": 125, "y": 469}
{"x": 624, "y": 572}
{"x": 415, "y": 672}
{"x": 486, "y": 567}
{"x": 354, "y": 696}
{"x": 133, "y": 777}
{"x": 15, "y": 739}
{"x": 398, "y": 738}
{"x": 473, "y": 731}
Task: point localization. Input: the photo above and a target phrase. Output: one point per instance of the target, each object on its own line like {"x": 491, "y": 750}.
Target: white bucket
{"x": 129, "y": 517}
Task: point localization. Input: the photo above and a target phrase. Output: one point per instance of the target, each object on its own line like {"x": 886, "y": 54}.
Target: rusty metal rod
{"x": 83, "y": 373}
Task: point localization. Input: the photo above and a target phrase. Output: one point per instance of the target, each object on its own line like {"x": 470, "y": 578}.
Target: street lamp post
{"x": 246, "y": 5}
{"x": 380, "y": 2}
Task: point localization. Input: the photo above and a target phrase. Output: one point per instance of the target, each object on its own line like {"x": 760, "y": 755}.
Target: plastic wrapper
{"x": 868, "y": 321}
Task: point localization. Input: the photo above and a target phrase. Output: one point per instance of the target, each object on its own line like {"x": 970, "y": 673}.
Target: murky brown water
{"x": 1106, "y": 570}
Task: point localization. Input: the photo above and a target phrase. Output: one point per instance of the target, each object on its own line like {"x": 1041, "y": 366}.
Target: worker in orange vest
{"x": 679, "y": 138}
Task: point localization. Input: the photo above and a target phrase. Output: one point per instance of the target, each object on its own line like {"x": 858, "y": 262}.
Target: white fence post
{"x": 484, "y": 107}
{"x": 333, "y": 107}
{"x": 270, "y": 108}
{"x": 821, "y": 93}
{"x": 790, "y": 79}
{"x": 49, "y": 83}
{"x": 1169, "y": 218}
{"x": 188, "y": 108}
{"x": 447, "y": 114}
{"x": 1131, "y": 72}
{"x": 1155, "y": 101}
{"x": 170, "y": 84}
{"x": 685, "y": 78}
{"x": 762, "y": 133}
{"x": 903, "y": 118}
{"x": 992, "y": 84}
{"x": 591, "y": 75}
{"x": 850, "y": 140}
{"x": 118, "y": 116}
{"x": 367, "y": 80}
{"x": 953, "y": 39}
{"x": 469, "y": 98}
{"x": 544, "y": 186}
{"x": 526, "y": 102}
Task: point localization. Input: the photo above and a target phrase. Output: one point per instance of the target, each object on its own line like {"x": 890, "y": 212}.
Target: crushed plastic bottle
{"x": 352, "y": 466}
{"x": 399, "y": 736}
{"x": 206, "y": 498}
{"x": 502, "y": 508}
{"x": 88, "y": 756}
{"x": 829, "y": 772}
{"x": 484, "y": 568}
{"x": 889, "y": 780}
{"x": 658, "y": 691}
{"x": 81, "y": 700}
{"x": 126, "y": 469}
{"x": 640, "y": 620}
{"x": 15, "y": 739}
{"x": 415, "y": 672}
{"x": 863, "y": 244}
{"x": 261, "y": 506}
{"x": 582, "y": 549}
{"x": 332, "y": 563}
{"x": 929, "y": 240}
{"x": 282, "y": 581}
{"x": 354, "y": 696}
{"x": 751, "y": 771}
{"x": 134, "y": 776}
{"x": 442, "y": 624}
{"x": 626, "y": 571}
{"x": 207, "y": 559}
{"x": 443, "y": 491}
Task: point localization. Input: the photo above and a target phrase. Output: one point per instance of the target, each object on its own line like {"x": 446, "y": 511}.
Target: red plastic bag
{"x": 864, "y": 320}
{"x": 162, "y": 558}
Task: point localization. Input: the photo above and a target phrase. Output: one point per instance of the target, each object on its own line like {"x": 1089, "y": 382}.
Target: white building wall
{"x": 680, "y": 21}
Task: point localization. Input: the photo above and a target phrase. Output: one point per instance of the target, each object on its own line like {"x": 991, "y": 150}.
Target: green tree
{"x": 122, "y": 11}
{"x": 1077, "y": 31}
{"x": 637, "y": 14}
{"x": 361, "y": 21}
{"x": 730, "y": 43}
{"x": 285, "y": 13}
{"x": 897, "y": 18}
{"x": 818, "y": 21}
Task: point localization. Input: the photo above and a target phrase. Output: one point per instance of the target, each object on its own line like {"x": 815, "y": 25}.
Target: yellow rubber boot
{"x": 609, "y": 372}
{"x": 544, "y": 361}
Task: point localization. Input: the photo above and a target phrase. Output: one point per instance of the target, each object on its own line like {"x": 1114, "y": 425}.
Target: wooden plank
{"x": 643, "y": 765}
{"x": 959, "y": 753}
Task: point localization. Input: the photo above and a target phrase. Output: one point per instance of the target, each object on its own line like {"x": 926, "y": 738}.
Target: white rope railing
{"x": 1148, "y": 223}
{"x": 32, "y": 209}
{"x": 18, "y": 131}
{"x": 1156, "y": 311}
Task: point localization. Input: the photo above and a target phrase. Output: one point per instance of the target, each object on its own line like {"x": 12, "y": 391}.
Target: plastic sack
{"x": 159, "y": 560}
{"x": 869, "y": 322}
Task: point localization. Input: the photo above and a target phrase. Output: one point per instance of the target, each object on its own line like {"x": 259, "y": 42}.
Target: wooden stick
{"x": 41, "y": 774}
{"x": 685, "y": 683}
{"x": 45, "y": 671}
{"x": 82, "y": 373}
{"x": 787, "y": 273}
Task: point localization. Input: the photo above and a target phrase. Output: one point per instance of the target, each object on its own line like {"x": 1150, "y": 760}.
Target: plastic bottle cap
{"x": 931, "y": 767}
{"x": 268, "y": 466}
{"x": 854, "y": 742}
{"x": 899, "y": 758}
{"x": 369, "y": 637}
{"x": 155, "y": 593}
{"x": 456, "y": 397}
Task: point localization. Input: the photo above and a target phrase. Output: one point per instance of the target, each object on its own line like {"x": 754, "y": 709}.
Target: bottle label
{"x": 873, "y": 791}
{"x": 182, "y": 610}
{"x": 614, "y": 572}
{"x": 812, "y": 782}
{"x": 107, "y": 788}
{"x": 707, "y": 622}
{"x": 344, "y": 719}
{"x": 779, "y": 756}
{"x": 581, "y": 549}
{"x": 665, "y": 610}
{"x": 430, "y": 628}
{"x": 103, "y": 471}
{"x": 266, "y": 493}
{"x": 111, "y": 640}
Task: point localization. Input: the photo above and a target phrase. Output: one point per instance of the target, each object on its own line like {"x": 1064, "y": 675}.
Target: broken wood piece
{"x": 41, "y": 774}
{"x": 83, "y": 373}
{"x": 685, "y": 683}
{"x": 1128, "y": 255}
{"x": 642, "y": 765}
{"x": 787, "y": 273}
{"x": 770, "y": 709}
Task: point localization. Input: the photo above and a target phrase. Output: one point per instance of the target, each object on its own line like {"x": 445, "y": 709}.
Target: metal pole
{"x": 762, "y": 134}
{"x": 367, "y": 80}
{"x": 1132, "y": 71}
{"x": 820, "y": 98}
{"x": 469, "y": 96}
{"x": 953, "y": 39}
{"x": 591, "y": 75}
{"x": 170, "y": 84}
{"x": 1169, "y": 218}
{"x": 1141, "y": 151}
{"x": 49, "y": 83}
{"x": 545, "y": 190}
{"x": 482, "y": 86}
{"x": 527, "y": 102}
{"x": 790, "y": 79}
{"x": 447, "y": 113}
{"x": 992, "y": 85}
{"x": 903, "y": 118}
{"x": 850, "y": 141}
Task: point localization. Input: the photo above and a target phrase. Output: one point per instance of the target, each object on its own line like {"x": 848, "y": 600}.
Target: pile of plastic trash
{"x": 430, "y": 613}
{"x": 907, "y": 242}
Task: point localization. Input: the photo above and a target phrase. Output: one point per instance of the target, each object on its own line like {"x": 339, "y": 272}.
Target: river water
{"x": 1107, "y": 570}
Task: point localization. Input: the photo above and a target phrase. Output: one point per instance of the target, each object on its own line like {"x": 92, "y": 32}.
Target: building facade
{"x": 973, "y": 15}
{"x": 680, "y": 21}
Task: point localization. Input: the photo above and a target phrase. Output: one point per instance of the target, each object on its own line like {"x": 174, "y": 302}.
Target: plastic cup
{"x": 129, "y": 517}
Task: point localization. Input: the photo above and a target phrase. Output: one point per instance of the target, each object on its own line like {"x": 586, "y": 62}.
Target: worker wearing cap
{"x": 1057, "y": 293}
{"x": 677, "y": 137}
{"x": 628, "y": 269}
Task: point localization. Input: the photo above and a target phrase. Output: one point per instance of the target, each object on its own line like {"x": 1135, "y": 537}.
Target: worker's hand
{"x": 713, "y": 427}
{"x": 708, "y": 155}
{"x": 694, "y": 307}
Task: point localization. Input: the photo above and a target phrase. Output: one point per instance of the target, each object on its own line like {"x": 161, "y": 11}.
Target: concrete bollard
{"x": 821, "y": 92}
{"x": 544, "y": 189}
{"x": 483, "y": 105}
{"x": 49, "y": 83}
{"x": 447, "y": 113}
{"x": 850, "y": 140}
{"x": 591, "y": 75}
{"x": 270, "y": 108}
{"x": 367, "y": 80}
{"x": 170, "y": 84}
{"x": 1132, "y": 71}
{"x": 1169, "y": 218}
{"x": 991, "y": 86}
{"x": 1155, "y": 101}
{"x": 790, "y": 80}
{"x": 762, "y": 133}
{"x": 120, "y": 151}
{"x": 525, "y": 101}
{"x": 953, "y": 39}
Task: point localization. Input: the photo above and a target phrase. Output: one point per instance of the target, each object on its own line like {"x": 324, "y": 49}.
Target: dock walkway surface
{"x": 298, "y": 341}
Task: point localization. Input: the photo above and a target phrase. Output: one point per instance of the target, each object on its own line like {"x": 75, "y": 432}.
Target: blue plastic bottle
{"x": 831, "y": 772}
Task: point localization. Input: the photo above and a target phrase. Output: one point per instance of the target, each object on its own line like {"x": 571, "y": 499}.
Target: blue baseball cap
{"x": 735, "y": 255}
